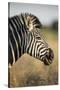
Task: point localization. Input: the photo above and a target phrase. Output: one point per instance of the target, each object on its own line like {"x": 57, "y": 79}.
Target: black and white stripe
{"x": 17, "y": 38}
{"x": 22, "y": 39}
{"x": 38, "y": 48}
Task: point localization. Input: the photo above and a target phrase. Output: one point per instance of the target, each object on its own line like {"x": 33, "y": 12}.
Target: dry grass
{"x": 29, "y": 71}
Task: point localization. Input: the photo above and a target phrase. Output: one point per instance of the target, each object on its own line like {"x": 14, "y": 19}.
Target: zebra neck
{"x": 30, "y": 44}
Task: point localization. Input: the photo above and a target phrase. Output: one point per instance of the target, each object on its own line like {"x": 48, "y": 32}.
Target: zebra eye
{"x": 38, "y": 37}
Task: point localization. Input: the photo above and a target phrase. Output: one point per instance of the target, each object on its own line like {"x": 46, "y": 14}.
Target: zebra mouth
{"x": 47, "y": 62}
{"x": 49, "y": 59}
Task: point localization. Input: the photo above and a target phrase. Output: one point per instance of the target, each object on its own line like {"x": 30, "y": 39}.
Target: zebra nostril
{"x": 51, "y": 54}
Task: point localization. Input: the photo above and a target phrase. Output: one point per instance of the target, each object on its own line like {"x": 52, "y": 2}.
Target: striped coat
{"x": 22, "y": 38}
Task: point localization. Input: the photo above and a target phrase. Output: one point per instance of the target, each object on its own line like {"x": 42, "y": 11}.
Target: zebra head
{"x": 38, "y": 48}
{"x": 44, "y": 53}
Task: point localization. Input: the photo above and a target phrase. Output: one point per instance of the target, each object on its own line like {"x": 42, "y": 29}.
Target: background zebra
{"x": 22, "y": 38}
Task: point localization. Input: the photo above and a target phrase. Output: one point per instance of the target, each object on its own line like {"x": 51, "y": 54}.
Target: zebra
{"x": 23, "y": 39}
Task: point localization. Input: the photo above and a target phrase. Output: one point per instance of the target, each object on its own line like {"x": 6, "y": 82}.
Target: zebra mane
{"x": 30, "y": 20}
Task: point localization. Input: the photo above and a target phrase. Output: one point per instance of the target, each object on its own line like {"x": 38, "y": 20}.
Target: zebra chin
{"x": 48, "y": 62}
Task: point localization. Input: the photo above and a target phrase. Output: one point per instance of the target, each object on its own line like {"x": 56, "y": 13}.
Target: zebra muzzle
{"x": 49, "y": 57}
{"x": 47, "y": 62}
